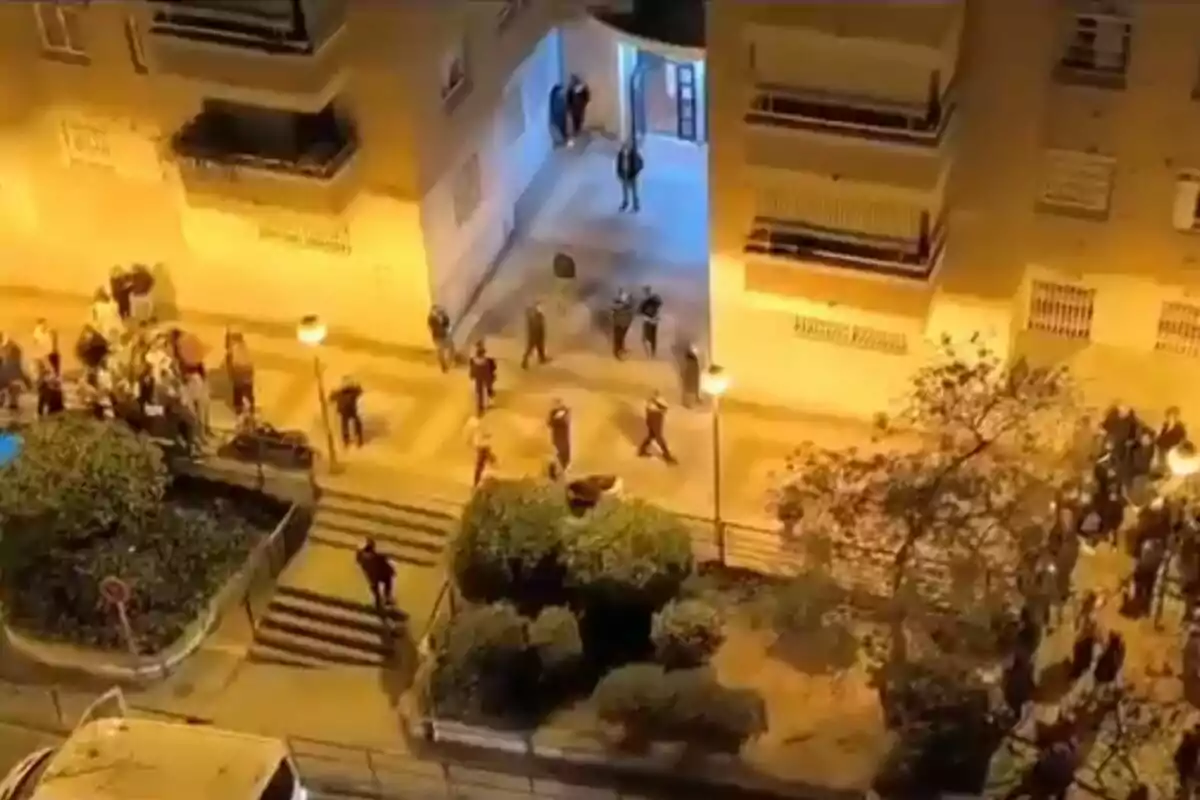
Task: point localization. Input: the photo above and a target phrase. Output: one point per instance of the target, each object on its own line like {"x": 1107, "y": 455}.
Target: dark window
{"x": 282, "y": 785}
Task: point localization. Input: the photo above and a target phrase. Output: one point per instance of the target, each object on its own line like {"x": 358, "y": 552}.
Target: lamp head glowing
{"x": 1182, "y": 460}
{"x": 311, "y": 331}
{"x": 714, "y": 382}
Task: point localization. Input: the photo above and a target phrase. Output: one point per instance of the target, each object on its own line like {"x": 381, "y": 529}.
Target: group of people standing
{"x": 568, "y": 110}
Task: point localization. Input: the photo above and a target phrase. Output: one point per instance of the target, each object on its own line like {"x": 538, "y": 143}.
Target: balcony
{"x": 265, "y": 52}
{"x": 892, "y": 256}
{"x": 674, "y": 22}
{"x": 307, "y": 162}
{"x": 788, "y": 108}
{"x": 1094, "y": 50}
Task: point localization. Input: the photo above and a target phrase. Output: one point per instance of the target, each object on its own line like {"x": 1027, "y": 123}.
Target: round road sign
{"x": 114, "y": 590}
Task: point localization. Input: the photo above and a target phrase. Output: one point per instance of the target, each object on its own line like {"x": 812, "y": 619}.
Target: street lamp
{"x": 1183, "y": 461}
{"x": 312, "y": 332}
{"x": 713, "y": 384}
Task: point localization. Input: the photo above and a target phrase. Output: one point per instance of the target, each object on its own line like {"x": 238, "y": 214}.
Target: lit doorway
{"x": 665, "y": 97}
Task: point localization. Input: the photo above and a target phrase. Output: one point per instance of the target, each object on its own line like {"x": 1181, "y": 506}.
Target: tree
{"x": 77, "y": 477}
{"x": 946, "y": 499}
{"x": 686, "y": 633}
{"x": 508, "y": 544}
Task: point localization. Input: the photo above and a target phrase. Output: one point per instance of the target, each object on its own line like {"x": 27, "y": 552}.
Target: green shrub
{"x": 554, "y": 637}
{"x": 686, "y": 633}
{"x": 480, "y": 663}
{"x": 508, "y": 543}
{"x": 77, "y": 477}
{"x": 629, "y": 551}
{"x": 688, "y": 706}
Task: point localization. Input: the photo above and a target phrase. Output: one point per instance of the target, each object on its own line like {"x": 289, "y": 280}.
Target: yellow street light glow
{"x": 714, "y": 382}
{"x": 1183, "y": 461}
{"x": 311, "y": 331}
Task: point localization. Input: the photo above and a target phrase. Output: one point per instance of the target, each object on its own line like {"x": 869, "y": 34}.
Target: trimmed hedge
{"x": 686, "y": 633}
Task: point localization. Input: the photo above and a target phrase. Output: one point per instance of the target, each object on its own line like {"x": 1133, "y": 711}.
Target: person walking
{"x": 49, "y": 391}
{"x": 482, "y": 371}
{"x": 558, "y": 115}
{"x": 120, "y": 286}
{"x": 379, "y": 572}
{"x": 439, "y": 333}
{"x": 535, "y": 334}
{"x": 622, "y": 320}
{"x": 240, "y": 369}
{"x": 629, "y": 167}
{"x": 1150, "y": 557}
{"x": 650, "y": 308}
{"x": 1019, "y": 684}
{"x": 578, "y": 96}
{"x": 559, "y": 423}
{"x": 346, "y": 399}
{"x": 195, "y": 398}
{"x": 1087, "y": 635}
{"x": 1108, "y": 665}
{"x": 13, "y": 378}
{"x": 1172, "y": 434}
{"x": 656, "y": 418}
{"x": 485, "y": 454}
{"x": 689, "y": 376}
{"x": 45, "y": 346}
{"x": 105, "y": 317}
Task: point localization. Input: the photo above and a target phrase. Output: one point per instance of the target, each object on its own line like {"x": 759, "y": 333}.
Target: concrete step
{"x": 432, "y": 511}
{"x": 329, "y": 638}
{"x": 406, "y": 533}
{"x": 285, "y": 607}
{"x": 416, "y": 530}
{"x": 398, "y": 550}
{"x": 303, "y": 628}
{"x": 273, "y": 648}
{"x": 332, "y": 602}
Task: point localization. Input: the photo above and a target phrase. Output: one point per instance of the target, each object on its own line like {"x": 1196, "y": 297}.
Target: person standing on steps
{"x": 482, "y": 371}
{"x": 439, "y": 333}
{"x": 535, "y": 335}
{"x": 650, "y": 308}
{"x": 578, "y": 98}
{"x": 559, "y": 423}
{"x": 656, "y": 418}
{"x": 622, "y": 320}
{"x": 558, "y": 115}
{"x": 345, "y": 399}
{"x": 485, "y": 455}
{"x": 379, "y": 572}
{"x": 629, "y": 167}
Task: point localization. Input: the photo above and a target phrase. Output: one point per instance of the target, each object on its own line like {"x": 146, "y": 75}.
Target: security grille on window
{"x": 845, "y": 334}
{"x": 454, "y": 75}
{"x": 1077, "y": 183}
{"x": 468, "y": 191}
{"x": 514, "y": 113}
{"x": 1098, "y": 47}
{"x": 60, "y": 29}
{"x": 1179, "y": 329}
{"x": 1061, "y": 310}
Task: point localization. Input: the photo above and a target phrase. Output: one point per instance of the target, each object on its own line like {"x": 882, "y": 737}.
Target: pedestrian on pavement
{"x": 656, "y": 418}
{"x": 650, "y": 308}
{"x": 690, "y": 376}
{"x": 535, "y": 334}
{"x": 1051, "y": 775}
{"x": 120, "y": 287}
{"x": 1029, "y": 630}
{"x": 1087, "y": 636}
{"x": 1064, "y": 544}
{"x": 188, "y": 352}
{"x": 141, "y": 295}
{"x": 629, "y": 167}
{"x": 622, "y": 320}
{"x": 578, "y": 97}
{"x": 482, "y": 371}
{"x": 240, "y": 369}
{"x": 1018, "y": 684}
{"x": 346, "y": 399}
{"x": 1187, "y": 760}
{"x": 45, "y": 347}
{"x": 1112, "y": 658}
{"x": 49, "y": 391}
{"x": 439, "y": 333}
{"x": 558, "y": 115}
{"x": 106, "y": 317}
{"x": 379, "y": 572}
{"x": 1151, "y": 555}
{"x": 559, "y": 423}
{"x": 1172, "y": 434}
{"x": 485, "y": 454}
{"x": 13, "y": 379}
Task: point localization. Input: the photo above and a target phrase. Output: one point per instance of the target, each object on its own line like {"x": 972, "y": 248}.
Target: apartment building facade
{"x": 277, "y": 157}
{"x": 886, "y": 173}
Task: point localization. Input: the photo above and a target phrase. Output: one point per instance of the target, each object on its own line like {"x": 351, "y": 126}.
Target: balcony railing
{"x": 1090, "y": 67}
{"x": 787, "y": 107}
{"x": 882, "y": 255}
{"x": 310, "y": 175}
{"x": 275, "y": 31}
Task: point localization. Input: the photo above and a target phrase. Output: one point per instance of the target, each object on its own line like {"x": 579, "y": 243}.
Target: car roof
{"x": 137, "y": 759}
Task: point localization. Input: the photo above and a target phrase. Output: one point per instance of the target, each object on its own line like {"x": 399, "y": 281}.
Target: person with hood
{"x": 345, "y": 400}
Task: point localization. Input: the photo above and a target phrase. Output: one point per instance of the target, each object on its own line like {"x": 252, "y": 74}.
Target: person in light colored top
{"x": 105, "y": 318}
{"x": 45, "y": 347}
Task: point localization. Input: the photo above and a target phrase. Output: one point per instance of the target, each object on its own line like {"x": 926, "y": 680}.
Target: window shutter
{"x": 1187, "y": 192}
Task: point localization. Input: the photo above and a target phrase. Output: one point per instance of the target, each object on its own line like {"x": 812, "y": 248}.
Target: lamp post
{"x": 1183, "y": 463}
{"x": 713, "y": 384}
{"x": 312, "y": 332}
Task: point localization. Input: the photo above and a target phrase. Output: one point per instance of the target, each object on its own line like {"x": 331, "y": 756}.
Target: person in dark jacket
{"x": 49, "y": 392}
{"x": 379, "y": 572}
{"x": 1172, "y": 434}
{"x": 656, "y": 419}
{"x": 578, "y": 96}
{"x": 1087, "y": 635}
{"x": 1111, "y": 660}
{"x": 558, "y": 421}
{"x": 482, "y": 371}
{"x": 629, "y": 167}
{"x": 650, "y": 309}
{"x": 622, "y": 320}
{"x": 1019, "y": 684}
{"x": 558, "y": 115}
{"x": 689, "y": 376}
{"x": 345, "y": 399}
{"x": 1150, "y": 557}
{"x": 535, "y": 335}
{"x": 439, "y": 333}
{"x": 120, "y": 287}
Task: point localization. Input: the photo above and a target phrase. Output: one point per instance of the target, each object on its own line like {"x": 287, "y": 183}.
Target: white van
{"x": 123, "y": 758}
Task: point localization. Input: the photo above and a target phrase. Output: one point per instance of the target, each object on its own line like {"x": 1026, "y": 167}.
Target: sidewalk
{"x": 416, "y": 417}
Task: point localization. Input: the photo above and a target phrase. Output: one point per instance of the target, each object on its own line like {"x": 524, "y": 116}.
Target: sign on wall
{"x": 330, "y": 236}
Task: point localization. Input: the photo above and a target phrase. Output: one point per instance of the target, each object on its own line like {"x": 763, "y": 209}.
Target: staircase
{"x": 319, "y": 615}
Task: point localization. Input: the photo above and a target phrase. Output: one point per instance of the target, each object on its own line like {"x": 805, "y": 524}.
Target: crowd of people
{"x": 1129, "y": 500}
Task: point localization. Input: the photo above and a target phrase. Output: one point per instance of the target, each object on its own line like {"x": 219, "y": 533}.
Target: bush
{"x": 554, "y": 637}
{"x": 629, "y": 551}
{"x": 686, "y": 633}
{"x": 508, "y": 544}
{"x": 479, "y": 663}
{"x": 77, "y": 477}
{"x": 689, "y": 706}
